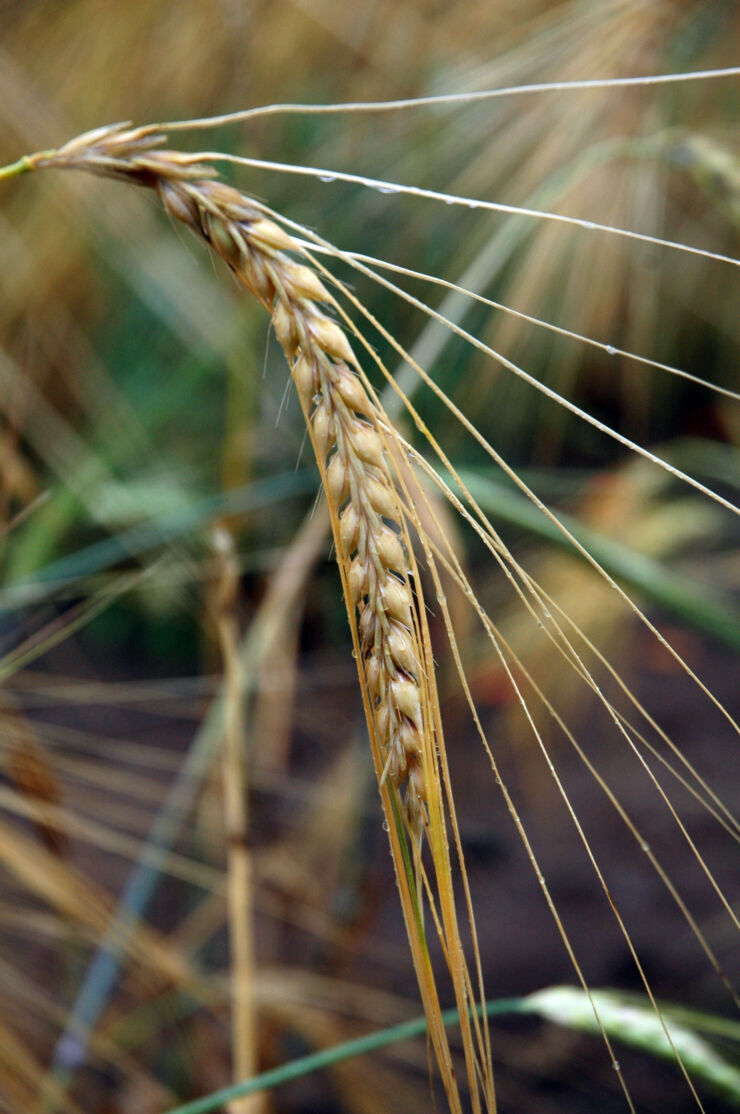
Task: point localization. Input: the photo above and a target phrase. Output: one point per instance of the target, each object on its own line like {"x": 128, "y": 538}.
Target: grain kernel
{"x": 179, "y": 205}
{"x": 254, "y": 276}
{"x": 397, "y": 764}
{"x": 284, "y": 325}
{"x": 382, "y": 721}
{"x": 405, "y": 696}
{"x": 304, "y": 376}
{"x": 389, "y": 549}
{"x": 351, "y": 390}
{"x": 305, "y": 283}
{"x": 323, "y": 429}
{"x": 331, "y": 338}
{"x": 381, "y": 497}
{"x": 400, "y": 648}
{"x": 223, "y": 239}
{"x": 396, "y": 599}
{"x": 349, "y": 528}
{"x": 357, "y": 581}
{"x": 375, "y": 675}
{"x": 337, "y": 479}
{"x": 367, "y": 443}
{"x": 368, "y": 624}
{"x": 270, "y": 235}
{"x": 418, "y": 784}
{"x": 409, "y": 738}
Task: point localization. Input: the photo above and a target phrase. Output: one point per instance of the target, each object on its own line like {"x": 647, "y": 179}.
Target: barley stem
{"x": 239, "y": 858}
{"x": 15, "y": 168}
{"x": 24, "y": 164}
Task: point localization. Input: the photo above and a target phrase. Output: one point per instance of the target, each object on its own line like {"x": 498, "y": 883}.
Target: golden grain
{"x": 344, "y": 423}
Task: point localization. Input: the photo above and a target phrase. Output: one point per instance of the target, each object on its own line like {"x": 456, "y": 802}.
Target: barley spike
{"x": 343, "y": 420}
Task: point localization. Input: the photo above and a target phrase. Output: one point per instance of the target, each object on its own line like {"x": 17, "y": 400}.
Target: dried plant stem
{"x": 239, "y": 861}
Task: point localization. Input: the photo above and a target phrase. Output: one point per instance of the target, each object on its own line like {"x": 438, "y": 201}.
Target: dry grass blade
{"x": 80, "y": 901}
{"x": 20, "y": 1072}
{"x": 239, "y": 859}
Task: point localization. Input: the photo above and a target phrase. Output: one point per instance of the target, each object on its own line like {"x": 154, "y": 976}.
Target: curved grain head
{"x": 371, "y": 516}
{"x": 384, "y": 520}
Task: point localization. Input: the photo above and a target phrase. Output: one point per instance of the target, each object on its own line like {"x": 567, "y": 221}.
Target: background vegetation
{"x": 145, "y": 422}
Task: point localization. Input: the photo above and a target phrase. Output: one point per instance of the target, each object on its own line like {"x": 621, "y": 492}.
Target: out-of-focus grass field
{"x": 145, "y": 406}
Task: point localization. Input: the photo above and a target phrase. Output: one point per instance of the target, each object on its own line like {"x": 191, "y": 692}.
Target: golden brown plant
{"x": 351, "y": 438}
{"x": 375, "y": 509}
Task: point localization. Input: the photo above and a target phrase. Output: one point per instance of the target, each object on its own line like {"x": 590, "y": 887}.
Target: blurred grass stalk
{"x": 238, "y": 857}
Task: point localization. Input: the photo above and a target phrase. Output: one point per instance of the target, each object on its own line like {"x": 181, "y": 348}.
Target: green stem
{"x": 26, "y": 163}
{"x": 318, "y": 1060}
{"x": 16, "y": 168}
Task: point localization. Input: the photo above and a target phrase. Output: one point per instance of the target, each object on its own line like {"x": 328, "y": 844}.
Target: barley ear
{"x": 369, "y": 507}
